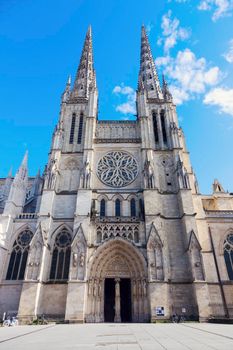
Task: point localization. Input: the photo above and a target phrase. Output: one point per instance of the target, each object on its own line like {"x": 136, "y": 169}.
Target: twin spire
{"x": 85, "y": 79}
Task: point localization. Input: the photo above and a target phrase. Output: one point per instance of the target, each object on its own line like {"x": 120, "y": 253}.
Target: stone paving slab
{"x": 183, "y": 336}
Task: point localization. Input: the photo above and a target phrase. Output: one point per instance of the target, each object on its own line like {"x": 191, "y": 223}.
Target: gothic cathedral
{"x": 115, "y": 230}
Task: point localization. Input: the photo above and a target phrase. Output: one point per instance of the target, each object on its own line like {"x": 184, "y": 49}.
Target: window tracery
{"x": 107, "y": 231}
{"x": 19, "y": 255}
{"x": 117, "y": 169}
{"x": 61, "y": 256}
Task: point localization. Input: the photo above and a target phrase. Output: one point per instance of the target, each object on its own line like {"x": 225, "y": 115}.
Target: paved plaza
{"x": 118, "y": 337}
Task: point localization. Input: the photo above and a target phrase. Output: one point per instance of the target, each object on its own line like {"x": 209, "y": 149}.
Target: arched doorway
{"x": 117, "y": 284}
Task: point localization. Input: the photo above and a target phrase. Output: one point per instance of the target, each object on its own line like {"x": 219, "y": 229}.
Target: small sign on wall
{"x": 159, "y": 311}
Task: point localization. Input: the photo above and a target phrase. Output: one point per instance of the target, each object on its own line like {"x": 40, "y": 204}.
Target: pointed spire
{"x": 166, "y": 93}
{"x": 217, "y": 187}
{"x": 66, "y": 93}
{"x": 10, "y": 173}
{"x": 23, "y": 169}
{"x": 148, "y": 77}
{"x": 25, "y": 160}
{"x": 85, "y": 77}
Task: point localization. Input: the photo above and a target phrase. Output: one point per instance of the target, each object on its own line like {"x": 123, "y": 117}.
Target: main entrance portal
{"x": 117, "y": 284}
{"x": 117, "y": 300}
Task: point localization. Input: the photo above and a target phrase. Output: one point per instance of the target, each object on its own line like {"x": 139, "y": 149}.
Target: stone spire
{"x": 166, "y": 93}
{"x": 16, "y": 199}
{"x": 66, "y": 93}
{"x": 148, "y": 78}
{"x": 217, "y": 187}
{"x": 85, "y": 77}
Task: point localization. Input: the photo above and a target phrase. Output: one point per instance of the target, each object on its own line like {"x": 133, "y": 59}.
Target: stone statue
{"x": 51, "y": 172}
{"x": 86, "y": 175}
{"x": 148, "y": 175}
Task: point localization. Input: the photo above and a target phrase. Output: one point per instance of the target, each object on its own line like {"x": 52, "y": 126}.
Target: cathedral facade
{"x": 115, "y": 230}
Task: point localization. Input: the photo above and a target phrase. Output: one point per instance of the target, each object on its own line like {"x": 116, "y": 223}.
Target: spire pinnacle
{"x": 10, "y": 173}
{"x": 25, "y": 160}
{"x": 85, "y": 77}
{"x": 148, "y": 77}
{"x": 166, "y": 92}
{"x": 23, "y": 169}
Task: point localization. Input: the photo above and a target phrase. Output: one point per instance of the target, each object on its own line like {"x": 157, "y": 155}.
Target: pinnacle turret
{"x": 21, "y": 175}
{"x": 148, "y": 78}
{"x": 66, "y": 93}
{"x": 85, "y": 77}
{"x": 166, "y": 92}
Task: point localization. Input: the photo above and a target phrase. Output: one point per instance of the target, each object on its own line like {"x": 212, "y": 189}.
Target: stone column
{"x": 117, "y": 317}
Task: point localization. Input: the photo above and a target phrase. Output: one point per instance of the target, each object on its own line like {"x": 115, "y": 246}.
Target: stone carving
{"x": 117, "y": 169}
{"x": 35, "y": 255}
{"x": 85, "y": 178}
{"x": 155, "y": 256}
{"x": 78, "y": 247}
{"x": 196, "y": 259}
{"x": 51, "y": 172}
{"x": 126, "y": 231}
{"x": 149, "y": 181}
{"x": 58, "y": 135}
{"x": 183, "y": 177}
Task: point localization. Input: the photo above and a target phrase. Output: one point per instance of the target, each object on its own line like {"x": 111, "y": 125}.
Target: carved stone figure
{"x": 51, "y": 172}
{"x": 85, "y": 177}
{"x": 148, "y": 175}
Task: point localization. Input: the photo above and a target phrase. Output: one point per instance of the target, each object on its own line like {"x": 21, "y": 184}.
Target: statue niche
{"x": 155, "y": 256}
{"x": 35, "y": 255}
{"x": 78, "y": 256}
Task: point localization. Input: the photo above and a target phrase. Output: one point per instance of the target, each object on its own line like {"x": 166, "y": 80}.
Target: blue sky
{"x": 192, "y": 42}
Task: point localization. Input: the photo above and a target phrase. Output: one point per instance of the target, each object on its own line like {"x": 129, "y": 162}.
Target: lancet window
{"x": 117, "y": 207}
{"x": 102, "y": 208}
{"x": 155, "y": 127}
{"x": 132, "y": 207}
{"x": 162, "y": 116}
{"x": 61, "y": 256}
{"x": 80, "y": 129}
{"x": 19, "y": 255}
{"x": 72, "y": 128}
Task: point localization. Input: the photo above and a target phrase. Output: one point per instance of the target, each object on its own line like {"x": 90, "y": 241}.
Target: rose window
{"x": 117, "y": 169}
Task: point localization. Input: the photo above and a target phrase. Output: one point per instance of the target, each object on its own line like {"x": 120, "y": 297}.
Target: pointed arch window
{"x": 80, "y": 129}
{"x": 155, "y": 127}
{"x": 61, "y": 257}
{"x": 228, "y": 255}
{"x": 133, "y": 207}
{"x": 102, "y": 208}
{"x": 72, "y": 128}
{"x": 162, "y": 118}
{"x": 117, "y": 207}
{"x": 19, "y": 255}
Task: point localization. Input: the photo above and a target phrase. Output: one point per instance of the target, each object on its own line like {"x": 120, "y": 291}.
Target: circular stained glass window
{"x": 117, "y": 169}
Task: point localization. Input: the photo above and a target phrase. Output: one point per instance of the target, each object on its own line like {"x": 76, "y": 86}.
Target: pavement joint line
{"x": 154, "y": 338}
{"x": 203, "y": 330}
{"x": 24, "y": 334}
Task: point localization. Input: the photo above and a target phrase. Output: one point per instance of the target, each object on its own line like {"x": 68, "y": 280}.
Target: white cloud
{"x": 189, "y": 75}
{"x": 172, "y": 32}
{"x": 127, "y": 107}
{"x": 229, "y": 54}
{"x": 149, "y": 28}
{"x": 220, "y": 8}
{"x": 222, "y": 98}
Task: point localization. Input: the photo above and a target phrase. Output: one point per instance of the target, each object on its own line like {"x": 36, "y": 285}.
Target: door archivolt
{"x": 119, "y": 256}
{"x": 118, "y": 260}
